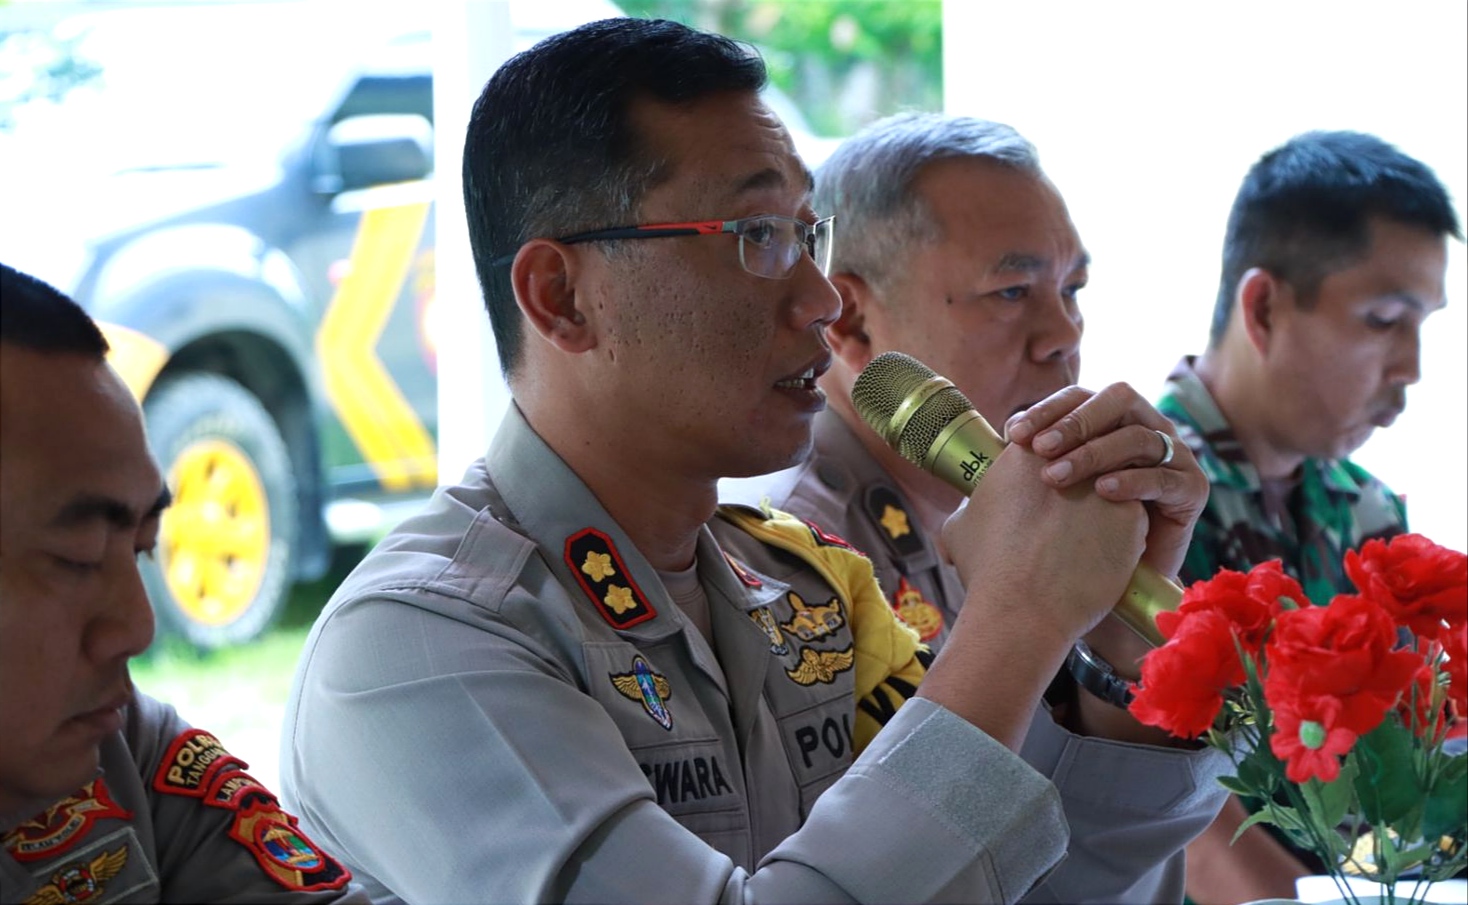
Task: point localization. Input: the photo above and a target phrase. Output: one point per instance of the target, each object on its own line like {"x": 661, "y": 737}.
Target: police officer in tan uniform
{"x": 957, "y": 250}
{"x": 573, "y": 677}
{"x": 105, "y": 794}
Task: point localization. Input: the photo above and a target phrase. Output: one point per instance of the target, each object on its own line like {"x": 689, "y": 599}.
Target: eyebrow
{"x": 771, "y": 178}
{"x": 1414, "y": 301}
{"x": 1015, "y": 261}
{"x": 93, "y": 507}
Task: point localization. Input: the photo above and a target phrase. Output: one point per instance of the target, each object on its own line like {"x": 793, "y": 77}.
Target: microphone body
{"x": 931, "y": 424}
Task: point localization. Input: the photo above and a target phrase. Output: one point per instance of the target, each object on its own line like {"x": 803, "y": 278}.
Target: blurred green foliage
{"x": 845, "y": 62}
{"x": 36, "y": 65}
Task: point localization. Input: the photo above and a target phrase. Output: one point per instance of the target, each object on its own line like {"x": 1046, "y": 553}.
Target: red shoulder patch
{"x": 234, "y": 789}
{"x": 192, "y": 761}
{"x": 284, "y": 852}
{"x": 599, "y": 569}
{"x": 61, "y": 826}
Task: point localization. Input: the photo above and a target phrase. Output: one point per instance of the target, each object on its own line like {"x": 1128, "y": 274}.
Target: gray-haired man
{"x": 956, "y": 249}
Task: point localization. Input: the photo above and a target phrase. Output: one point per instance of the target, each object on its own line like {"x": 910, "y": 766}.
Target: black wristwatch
{"x": 1096, "y": 676}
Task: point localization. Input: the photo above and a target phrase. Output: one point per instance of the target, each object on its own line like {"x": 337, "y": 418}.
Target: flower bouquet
{"x": 1337, "y": 717}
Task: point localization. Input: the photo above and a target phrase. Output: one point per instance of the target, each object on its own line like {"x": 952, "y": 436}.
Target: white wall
{"x": 1148, "y": 114}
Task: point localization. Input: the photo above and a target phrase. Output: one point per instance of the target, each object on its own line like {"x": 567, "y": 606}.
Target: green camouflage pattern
{"x": 1337, "y": 507}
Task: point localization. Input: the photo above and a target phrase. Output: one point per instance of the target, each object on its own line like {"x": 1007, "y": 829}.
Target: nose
{"x": 1405, "y": 366}
{"x": 1057, "y": 329}
{"x": 816, "y": 303}
{"x": 122, "y": 627}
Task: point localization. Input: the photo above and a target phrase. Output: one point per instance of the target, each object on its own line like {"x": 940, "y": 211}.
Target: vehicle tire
{"x": 222, "y": 570}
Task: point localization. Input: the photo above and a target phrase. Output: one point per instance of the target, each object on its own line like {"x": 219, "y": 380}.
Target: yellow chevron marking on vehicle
{"x": 371, "y": 406}
{"x": 136, "y": 357}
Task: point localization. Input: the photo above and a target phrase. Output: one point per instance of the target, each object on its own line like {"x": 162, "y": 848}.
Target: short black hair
{"x": 36, "y": 315}
{"x": 1304, "y": 208}
{"x": 550, "y": 148}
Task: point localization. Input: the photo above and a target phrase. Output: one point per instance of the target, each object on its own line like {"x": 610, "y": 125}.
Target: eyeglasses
{"x": 769, "y": 245}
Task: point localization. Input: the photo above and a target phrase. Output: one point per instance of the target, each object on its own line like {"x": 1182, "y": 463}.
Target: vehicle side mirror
{"x": 378, "y": 149}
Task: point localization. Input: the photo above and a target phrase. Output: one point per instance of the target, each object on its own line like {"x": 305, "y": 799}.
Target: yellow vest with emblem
{"x": 890, "y": 660}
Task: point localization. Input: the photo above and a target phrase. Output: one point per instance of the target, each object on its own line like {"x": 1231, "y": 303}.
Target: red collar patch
{"x": 826, "y": 538}
{"x": 749, "y": 579}
{"x": 65, "y": 823}
{"x": 601, "y": 573}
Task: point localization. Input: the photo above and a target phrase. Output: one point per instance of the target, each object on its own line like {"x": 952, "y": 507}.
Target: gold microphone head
{"x": 934, "y": 426}
{"x": 906, "y": 403}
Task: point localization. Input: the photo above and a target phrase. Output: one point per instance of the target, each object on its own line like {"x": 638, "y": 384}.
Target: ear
{"x": 847, "y": 336}
{"x": 1258, "y": 300}
{"x": 544, "y": 275}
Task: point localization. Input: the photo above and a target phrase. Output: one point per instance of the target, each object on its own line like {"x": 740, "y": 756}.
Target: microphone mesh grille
{"x": 881, "y": 388}
{"x": 928, "y": 421}
{"x": 883, "y": 384}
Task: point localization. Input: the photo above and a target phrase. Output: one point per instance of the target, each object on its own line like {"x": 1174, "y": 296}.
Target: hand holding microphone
{"x": 930, "y": 423}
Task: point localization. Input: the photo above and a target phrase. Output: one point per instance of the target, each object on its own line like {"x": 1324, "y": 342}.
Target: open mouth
{"x": 805, "y": 380}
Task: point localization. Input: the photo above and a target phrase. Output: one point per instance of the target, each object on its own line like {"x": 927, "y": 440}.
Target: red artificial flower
{"x": 1416, "y": 707}
{"x": 1183, "y": 681}
{"x": 1342, "y": 651}
{"x": 1421, "y": 584}
{"x": 1248, "y": 601}
{"x": 1308, "y": 738}
{"x": 1455, "y": 645}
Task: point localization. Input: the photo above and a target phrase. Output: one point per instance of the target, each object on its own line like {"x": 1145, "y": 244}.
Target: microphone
{"x": 931, "y": 424}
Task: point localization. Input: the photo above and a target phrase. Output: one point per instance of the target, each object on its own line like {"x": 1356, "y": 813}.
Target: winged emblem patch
{"x": 648, "y": 688}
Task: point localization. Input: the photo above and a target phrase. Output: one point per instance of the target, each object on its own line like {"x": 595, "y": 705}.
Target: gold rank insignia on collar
{"x": 602, "y": 574}
{"x": 648, "y": 688}
{"x": 899, "y": 531}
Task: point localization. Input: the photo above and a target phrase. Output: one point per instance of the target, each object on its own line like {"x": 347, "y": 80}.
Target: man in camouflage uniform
{"x": 1335, "y": 253}
{"x": 105, "y": 794}
{"x": 956, "y": 249}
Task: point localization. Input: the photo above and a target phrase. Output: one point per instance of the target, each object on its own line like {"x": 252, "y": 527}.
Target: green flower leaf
{"x": 1256, "y": 817}
{"x": 1445, "y": 814}
{"x": 1329, "y": 801}
{"x": 1387, "y": 784}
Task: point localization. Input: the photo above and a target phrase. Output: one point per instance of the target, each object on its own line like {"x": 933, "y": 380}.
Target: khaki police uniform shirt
{"x": 1131, "y": 808}
{"x": 502, "y": 704}
{"x": 171, "y": 817}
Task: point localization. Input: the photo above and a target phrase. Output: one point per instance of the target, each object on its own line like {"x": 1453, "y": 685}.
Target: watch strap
{"x": 1098, "y": 677}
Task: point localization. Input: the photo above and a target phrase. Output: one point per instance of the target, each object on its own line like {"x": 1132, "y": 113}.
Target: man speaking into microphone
{"x": 574, "y": 678}
{"x": 957, "y": 250}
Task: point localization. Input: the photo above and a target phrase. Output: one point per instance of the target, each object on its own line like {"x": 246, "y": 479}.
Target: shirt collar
{"x": 1207, "y": 433}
